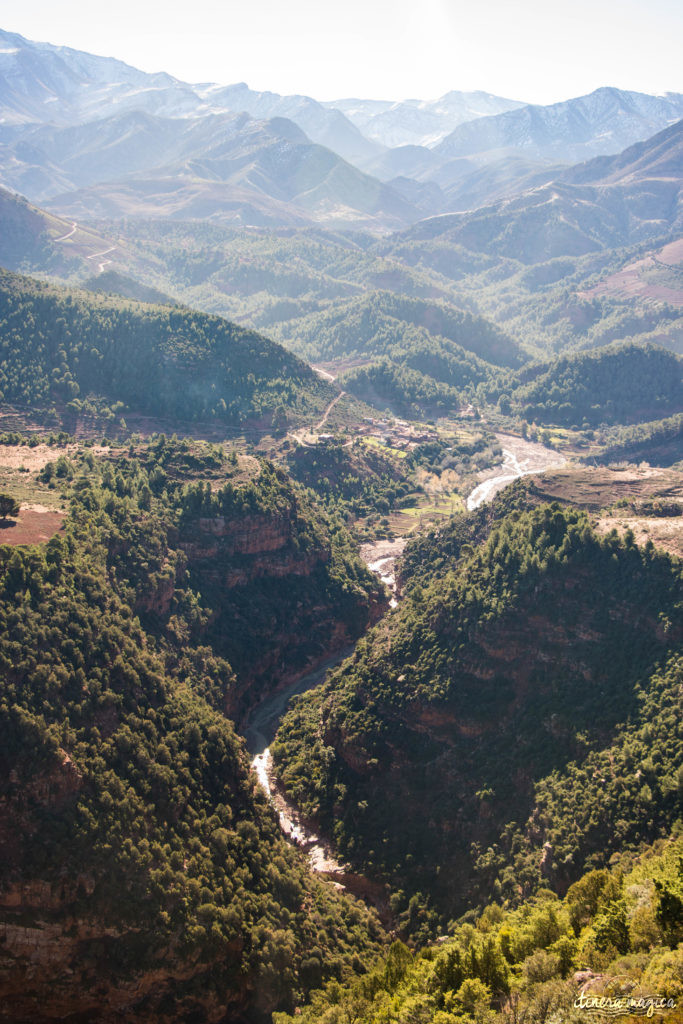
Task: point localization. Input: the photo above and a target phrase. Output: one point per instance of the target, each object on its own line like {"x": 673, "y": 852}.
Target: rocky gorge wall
{"x": 279, "y": 605}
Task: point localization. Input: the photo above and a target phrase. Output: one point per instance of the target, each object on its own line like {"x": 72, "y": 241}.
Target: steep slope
{"x": 143, "y": 874}
{"x": 25, "y": 237}
{"x": 656, "y": 157}
{"x": 487, "y": 690}
{"x": 64, "y": 347}
{"x": 34, "y": 240}
{"x": 40, "y": 84}
{"x": 602, "y": 204}
{"x": 605, "y": 121}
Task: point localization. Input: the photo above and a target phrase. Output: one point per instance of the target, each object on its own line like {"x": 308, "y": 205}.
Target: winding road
{"x": 104, "y": 263}
{"x": 327, "y": 412}
{"x": 95, "y": 255}
{"x": 63, "y": 238}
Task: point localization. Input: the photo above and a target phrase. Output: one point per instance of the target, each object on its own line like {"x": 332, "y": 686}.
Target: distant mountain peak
{"x": 420, "y": 122}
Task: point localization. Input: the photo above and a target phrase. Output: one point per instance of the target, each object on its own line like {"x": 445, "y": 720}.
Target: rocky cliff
{"x": 256, "y": 572}
{"x": 278, "y": 606}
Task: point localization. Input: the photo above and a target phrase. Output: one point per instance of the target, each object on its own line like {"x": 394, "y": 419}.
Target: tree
{"x": 279, "y": 420}
{"x": 9, "y": 506}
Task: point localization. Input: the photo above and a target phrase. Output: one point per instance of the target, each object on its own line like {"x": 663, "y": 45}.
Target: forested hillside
{"x": 128, "y": 814}
{"x": 386, "y": 384}
{"x": 659, "y": 442}
{"x": 383, "y": 323}
{"x": 448, "y": 758}
{"x": 63, "y": 348}
{"x": 359, "y": 478}
{"x": 341, "y": 523}
{"x": 622, "y": 384}
{"x": 613, "y": 936}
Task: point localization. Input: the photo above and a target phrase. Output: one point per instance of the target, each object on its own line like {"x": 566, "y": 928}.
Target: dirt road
{"x": 327, "y": 412}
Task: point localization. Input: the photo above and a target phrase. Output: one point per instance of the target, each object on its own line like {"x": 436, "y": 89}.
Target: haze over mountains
{"x": 419, "y": 122}
{"x": 460, "y": 211}
{"x": 600, "y": 204}
{"x": 92, "y": 136}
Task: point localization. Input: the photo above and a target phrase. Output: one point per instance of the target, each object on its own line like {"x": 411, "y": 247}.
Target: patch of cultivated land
{"x": 33, "y": 525}
{"x": 600, "y": 489}
{"x": 657, "y": 276}
{"x": 20, "y": 465}
{"x": 596, "y": 488}
{"x": 16, "y": 456}
{"x": 28, "y": 491}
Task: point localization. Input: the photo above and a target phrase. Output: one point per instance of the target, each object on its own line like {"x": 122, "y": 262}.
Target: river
{"x": 520, "y": 458}
{"x": 262, "y": 725}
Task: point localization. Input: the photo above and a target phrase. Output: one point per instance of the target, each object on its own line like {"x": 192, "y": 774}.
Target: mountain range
{"x": 223, "y": 165}
{"x": 92, "y": 136}
{"x": 600, "y": 204}
{"x": 419, "y": 122}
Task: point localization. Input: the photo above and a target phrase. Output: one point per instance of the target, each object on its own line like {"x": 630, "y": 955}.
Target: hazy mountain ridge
{"x": 605, "y": 121}
{"x": 72, "y": 120}
{"x": 81, "y": 86}
{"x": 42, "y": 83}
{"x": 603, "y": 203}
{"x": 269, "y": 166}
{"x": 420, "y": 122}
{"x": 326, "y": 127}
{"x": 525, "y": 145}
{"x": 60, "y": 105}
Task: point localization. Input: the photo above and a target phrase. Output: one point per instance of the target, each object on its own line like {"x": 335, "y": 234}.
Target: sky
{"x": 539, "y": 51}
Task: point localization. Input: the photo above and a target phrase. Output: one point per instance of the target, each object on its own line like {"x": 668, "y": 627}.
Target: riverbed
{"x": 263, "y": 723}
{"x": 520, "y": 458}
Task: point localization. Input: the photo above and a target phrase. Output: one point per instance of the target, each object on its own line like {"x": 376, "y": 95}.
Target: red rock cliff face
{"x": 277, "y": 610}
{"x": 236, "y": 552}
{"x": 53, "y": 971}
